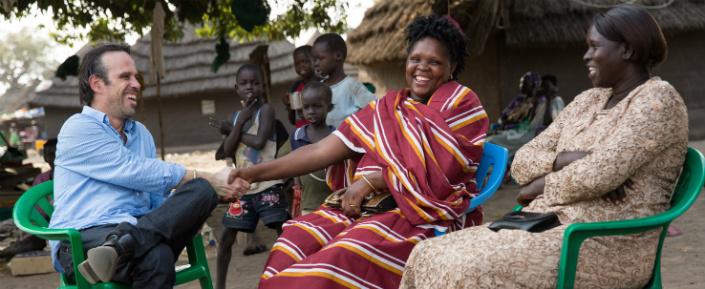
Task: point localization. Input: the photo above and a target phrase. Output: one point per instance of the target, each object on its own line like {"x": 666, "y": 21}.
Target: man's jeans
{"x": 159, "y": 236}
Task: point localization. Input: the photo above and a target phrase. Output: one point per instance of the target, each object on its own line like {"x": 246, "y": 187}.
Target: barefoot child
{"x": 349, "y": 95}
{"x": 251, "y": 141}
{"x": 316, "y": 99}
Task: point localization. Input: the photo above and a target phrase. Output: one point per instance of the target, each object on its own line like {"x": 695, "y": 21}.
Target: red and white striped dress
{"x": 428, "y": 154}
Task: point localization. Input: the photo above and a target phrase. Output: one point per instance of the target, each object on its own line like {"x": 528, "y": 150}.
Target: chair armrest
{"x": 71, "y": 235}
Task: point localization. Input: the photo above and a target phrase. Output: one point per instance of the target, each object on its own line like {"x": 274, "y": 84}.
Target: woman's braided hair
{"x": 442, "y": 29}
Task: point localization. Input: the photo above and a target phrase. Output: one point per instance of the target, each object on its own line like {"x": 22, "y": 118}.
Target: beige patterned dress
{"x": 643, "y": 139}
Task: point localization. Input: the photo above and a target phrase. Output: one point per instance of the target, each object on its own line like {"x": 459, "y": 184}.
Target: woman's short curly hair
{"x": 442, "y": 29}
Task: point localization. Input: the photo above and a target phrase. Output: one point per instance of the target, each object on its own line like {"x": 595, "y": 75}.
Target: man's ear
{"x": 627, "y": 51}
{"x": 97, "y": 84}
{"x": 338, "y": 56}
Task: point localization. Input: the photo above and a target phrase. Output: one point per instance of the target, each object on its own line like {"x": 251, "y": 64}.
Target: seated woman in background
{"x": 421, "y": 144}
{"x": 614, "y": 153}
{"x": 520, "y": 120}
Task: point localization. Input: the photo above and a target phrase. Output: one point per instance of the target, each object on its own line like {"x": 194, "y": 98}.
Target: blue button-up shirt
{"x": 100, "y": 180}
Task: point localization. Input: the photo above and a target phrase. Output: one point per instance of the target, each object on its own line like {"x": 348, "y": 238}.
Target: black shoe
{"x": 101, "y": 262}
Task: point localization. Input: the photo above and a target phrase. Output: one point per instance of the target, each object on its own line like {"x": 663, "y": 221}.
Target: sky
{"x": 355, "y": 14}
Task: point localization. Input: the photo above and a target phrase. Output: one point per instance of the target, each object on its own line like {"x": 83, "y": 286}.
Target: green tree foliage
{"x": 112, "y": 20}
{"x": 24, "y": 59}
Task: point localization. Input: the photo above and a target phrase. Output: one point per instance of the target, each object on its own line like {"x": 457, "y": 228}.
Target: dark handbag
{"x": 375, "y": 203}
{"x": 527, "y": 221}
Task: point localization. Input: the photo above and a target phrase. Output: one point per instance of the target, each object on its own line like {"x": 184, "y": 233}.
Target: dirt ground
{"x": 683, "y": 259}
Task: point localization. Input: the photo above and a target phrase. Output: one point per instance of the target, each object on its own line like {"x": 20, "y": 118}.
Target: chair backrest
{"x": 34, "y": 208}
{"x": 494, "y": 161}
{"x": 689, "y": 184}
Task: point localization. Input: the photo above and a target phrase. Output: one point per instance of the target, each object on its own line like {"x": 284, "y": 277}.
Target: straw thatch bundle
{"x": 548, "y": 23}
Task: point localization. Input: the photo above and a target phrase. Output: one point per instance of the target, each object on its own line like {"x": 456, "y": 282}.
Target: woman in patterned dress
{"x": 421, "y": 144}
{"x": 614, "y": 153}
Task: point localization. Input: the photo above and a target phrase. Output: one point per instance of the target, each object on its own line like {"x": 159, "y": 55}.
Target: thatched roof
{"x": 187, "y": 63}
{"x": 548, "y": 23}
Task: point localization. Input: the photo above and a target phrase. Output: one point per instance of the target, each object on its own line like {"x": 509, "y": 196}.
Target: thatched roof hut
{"x": 524, "y": 23}
{"x": 509, "y": 37}
{"x": 188, "y": 69}
{"x": 191, "y": 93}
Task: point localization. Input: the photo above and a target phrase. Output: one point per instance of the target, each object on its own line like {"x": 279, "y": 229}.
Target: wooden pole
{"x": 159, "y": 112}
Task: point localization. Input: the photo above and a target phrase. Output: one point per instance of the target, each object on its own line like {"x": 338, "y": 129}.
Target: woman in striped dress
{"x": 421, "y": 144}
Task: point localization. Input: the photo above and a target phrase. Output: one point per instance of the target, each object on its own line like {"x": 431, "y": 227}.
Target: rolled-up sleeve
{"x": 88, "y": 150}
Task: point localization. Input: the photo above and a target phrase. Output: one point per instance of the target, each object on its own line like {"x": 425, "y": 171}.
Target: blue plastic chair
{"x": 496, "y": 158}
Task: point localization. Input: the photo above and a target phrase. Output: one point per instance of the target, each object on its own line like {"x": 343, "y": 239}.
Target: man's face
{"x": 118, "y": 97}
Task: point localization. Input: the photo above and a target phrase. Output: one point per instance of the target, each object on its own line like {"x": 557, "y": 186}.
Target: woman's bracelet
{"x": 369, "y": 183}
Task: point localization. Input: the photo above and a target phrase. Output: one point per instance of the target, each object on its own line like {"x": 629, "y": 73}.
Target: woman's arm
{"x": 304, "y": 160}
{"x": 536, "y": 158}
{"x": 638, "y": 139}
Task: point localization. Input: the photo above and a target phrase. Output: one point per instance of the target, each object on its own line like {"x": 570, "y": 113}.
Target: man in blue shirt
{"x": 109, "y": 185}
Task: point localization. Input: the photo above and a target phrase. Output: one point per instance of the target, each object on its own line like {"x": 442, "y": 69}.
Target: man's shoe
{"x": 101, "y": 262}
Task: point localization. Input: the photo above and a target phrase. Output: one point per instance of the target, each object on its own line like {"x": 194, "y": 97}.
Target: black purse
{"x": 526, "y": 221}
{"x": 373, "y": 204}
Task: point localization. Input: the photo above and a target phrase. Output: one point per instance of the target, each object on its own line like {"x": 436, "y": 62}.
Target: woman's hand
{"x": 565, "y": 158}
{"x": 353, "y": 197}
{"x": 239, "y": 180}
{"x": 529, "y": 192}
{"x": 619, "y": 194}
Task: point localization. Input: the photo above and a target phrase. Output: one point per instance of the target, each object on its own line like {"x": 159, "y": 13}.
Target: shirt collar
{"x": 102, "y": 117}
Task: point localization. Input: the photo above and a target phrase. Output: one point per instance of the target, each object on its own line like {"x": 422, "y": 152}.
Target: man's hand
{"x": 529, "y": 192}
{"x": 239, "y": 181}
{"x": 219, "y": 182}
{"x": 353, "y": 197}
{"x": 565, "y": 158}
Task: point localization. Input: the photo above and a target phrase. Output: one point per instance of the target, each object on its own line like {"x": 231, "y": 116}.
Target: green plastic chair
{"x": 687, "y": 190}
{"x": 31, "y": 220}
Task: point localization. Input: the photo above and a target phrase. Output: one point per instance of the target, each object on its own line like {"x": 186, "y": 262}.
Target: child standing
{"x": 349, "y": 95}
{"x": 303, "y": 65}
{"x": 251, "y": 141}
{"x": 316, "y": 99}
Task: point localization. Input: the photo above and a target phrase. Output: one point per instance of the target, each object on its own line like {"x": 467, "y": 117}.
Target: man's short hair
{"x": 321, "y": 88}
{"x": 334, "y": 42}
{"x": 91, "y": 64}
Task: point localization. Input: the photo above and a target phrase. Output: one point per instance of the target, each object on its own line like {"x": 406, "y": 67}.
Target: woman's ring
{"x": 352, "y": 205}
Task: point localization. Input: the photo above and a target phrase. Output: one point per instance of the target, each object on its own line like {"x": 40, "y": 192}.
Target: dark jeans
{"x": 159, "y": 236}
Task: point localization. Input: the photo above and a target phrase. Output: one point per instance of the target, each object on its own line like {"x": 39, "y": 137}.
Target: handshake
{"x": 229, "y": 183}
